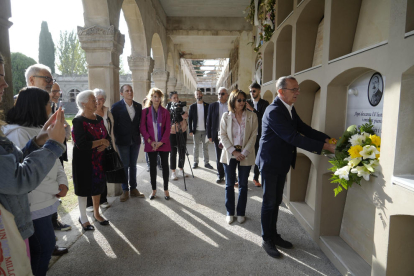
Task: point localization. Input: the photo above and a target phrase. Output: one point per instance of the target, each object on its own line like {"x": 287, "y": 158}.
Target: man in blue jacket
{"x": 127, "y": 118}
{"x": 282, "y": 132}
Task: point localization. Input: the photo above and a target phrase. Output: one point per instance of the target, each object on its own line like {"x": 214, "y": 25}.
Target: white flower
{"x": 343, "y": 172}
{"x": 353, "y": 162}
{"x": 362, "y": 171}
{"x": 366, "y": 135}
{"x": 372, "y": 166}
{"x": 369, "y": 152}
{"x": 357, "y": 139}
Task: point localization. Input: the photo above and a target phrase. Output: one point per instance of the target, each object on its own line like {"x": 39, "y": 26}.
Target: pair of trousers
{"x": 153, "y": 168}
{"x": 147, "y": 160}
{"x": 200, "y": 136}
{"x": 256, "y": 168}
{"x": 129, "y": 157}
{"x": 273, "y": 185}
{"x": 103, "y": 198}
{"x": 220, "y": 168}
{"x": 175, "y": 139}
{"x": 42, "y": 243}
{"x": 244, "y": 172}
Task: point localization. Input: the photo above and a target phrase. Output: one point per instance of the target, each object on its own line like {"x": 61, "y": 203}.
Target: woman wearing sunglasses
{"x": 238, "y": 131}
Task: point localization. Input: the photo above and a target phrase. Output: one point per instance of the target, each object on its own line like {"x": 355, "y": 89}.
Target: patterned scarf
{"x": 157, "y": 119}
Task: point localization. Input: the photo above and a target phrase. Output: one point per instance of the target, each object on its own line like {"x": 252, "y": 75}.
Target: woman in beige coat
{"x": 238, "y": 132}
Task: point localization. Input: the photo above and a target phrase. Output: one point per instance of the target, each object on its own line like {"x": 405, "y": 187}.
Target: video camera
{"x": 177, "y": 111}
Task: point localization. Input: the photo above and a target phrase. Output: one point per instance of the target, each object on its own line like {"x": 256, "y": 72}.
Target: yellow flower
{"x": 376, "y": 140}
{"x": 333, "y": 141}
{"x": 378, "y": 155}
{"x": 354, "y": 151}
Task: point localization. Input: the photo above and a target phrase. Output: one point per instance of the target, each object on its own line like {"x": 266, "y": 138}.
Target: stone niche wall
{"x": 409, "y": 21}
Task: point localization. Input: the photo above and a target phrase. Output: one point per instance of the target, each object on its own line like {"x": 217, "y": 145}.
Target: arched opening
{"x": 357, "y": 24}
{"x": 268, "y": 96}
{"x": 401, "y": 246}
{"x": 306, "y": 34}
{"x": 409, "y": 19}
{"x": 136, "y": 28}
{"x": 72, "y": 94}
{"x": 283, "y": 10}
{"x": 157, "y": 52}
{"x": 307, "y": 105}
{"x": 284, "y": 52}
{"x": 268, "y": 62}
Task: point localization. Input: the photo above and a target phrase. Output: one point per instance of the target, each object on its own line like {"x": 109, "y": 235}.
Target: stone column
{"x": 172, "y": 82}
{"x": 141, "y": 68}
{"x": 103, "y": 46}
{"x": 179, "y": 87}
{"x": 5, "y": 24}
{"x": 160, "y": 78}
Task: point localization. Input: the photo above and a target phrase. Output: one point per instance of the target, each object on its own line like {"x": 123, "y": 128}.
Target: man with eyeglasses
{"x": 282, "y": 132}
{"x": 258, "y": 106}
{"x": 39, "y": 75}
{"x": 215, "y": 112}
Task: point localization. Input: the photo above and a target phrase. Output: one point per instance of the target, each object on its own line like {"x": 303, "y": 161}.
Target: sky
{"x": 60, "y": 15}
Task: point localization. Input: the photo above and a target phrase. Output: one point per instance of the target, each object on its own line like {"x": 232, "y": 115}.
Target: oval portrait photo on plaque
{"x": 375, "y": 89}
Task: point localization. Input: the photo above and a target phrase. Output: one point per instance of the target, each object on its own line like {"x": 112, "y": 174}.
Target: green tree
{"x": 71, "y": 56}
{"x": 122, "y": 70}
{"x": 197, "y": 64}
{"x": 19, "y": 63}
{"x": 46, "y": 47}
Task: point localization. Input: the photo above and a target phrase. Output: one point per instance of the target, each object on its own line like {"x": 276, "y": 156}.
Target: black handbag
{"x": 113, "y": 166}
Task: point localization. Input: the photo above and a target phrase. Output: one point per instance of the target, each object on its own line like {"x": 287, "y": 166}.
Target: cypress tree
{"x": 46, "y": 47}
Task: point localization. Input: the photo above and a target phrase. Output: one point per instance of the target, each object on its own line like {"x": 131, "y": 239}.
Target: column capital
{"x": 97, "y": 38}
{"x": 159, "y": 75}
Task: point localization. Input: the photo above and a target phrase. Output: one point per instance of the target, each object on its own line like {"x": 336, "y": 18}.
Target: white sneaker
{"x": 89, "y": 209}
{"x": 174, "y": 176}
{"x": 241, "y": 219}
{"x": 229, "y": 219}
{"x": 185, "y": 174}
{"x": 105, "y": 205}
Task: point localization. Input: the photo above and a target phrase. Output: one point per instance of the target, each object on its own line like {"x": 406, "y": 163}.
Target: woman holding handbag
{"x": 155, "y": 128}
{"x": 90, "y": 139}
{"x": 238, "y": 131}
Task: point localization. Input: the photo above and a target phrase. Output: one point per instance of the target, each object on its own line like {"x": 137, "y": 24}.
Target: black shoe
{"x": 61, "y": 226}
{"x": 105, "y": 222}
{"x": 270, "y": 249}
{"x": 59, "y": 251}
{"x": 195, "y": 165}
{"x": 208, "y": 166}
{"x": 282, "y": 243}
{"x": 86, "y": 228}
{"x": 151, "y": 197}
{"x": 167, "y": 197}
{"x": 219, "y": 180}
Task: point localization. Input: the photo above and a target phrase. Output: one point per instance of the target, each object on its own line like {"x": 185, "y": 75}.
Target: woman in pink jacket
{"x": 155, "y": 128}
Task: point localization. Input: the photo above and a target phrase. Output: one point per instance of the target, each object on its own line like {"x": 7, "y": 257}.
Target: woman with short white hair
{"x": 91, "y": 139}
{"x": 108, "y": 120}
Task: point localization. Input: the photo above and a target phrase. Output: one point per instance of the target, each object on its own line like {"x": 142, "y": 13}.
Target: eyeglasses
{"x": 294, "y": 90}
{"x": 241, "y": 100}
{"x": 253, "y": 91}
{"x": 57, "y": 92}
{"x": 100, "y": 100}
{"x": 48, "y": 79}
{"x": 222, "y": 94}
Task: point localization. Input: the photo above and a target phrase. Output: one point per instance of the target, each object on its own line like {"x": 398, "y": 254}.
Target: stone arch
{"x": 268, "y": 96}
{"x": 284, "y": 52}
{"x": 283, "y": 10}
{"x": 170, "y": 64}
{"x": 136, "y": 27}
{"x": 268, "y": 55}
{"x": 158, "y": 52}
{"x": 308, "y": 104}
{"x": 101, "y": 13}
{"x": 306, "y": 33}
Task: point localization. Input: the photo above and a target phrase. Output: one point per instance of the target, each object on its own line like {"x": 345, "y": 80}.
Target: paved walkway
{"x": 186, "y": 235}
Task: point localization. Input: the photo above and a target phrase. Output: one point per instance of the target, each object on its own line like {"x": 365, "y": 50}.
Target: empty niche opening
{"x": 306, "y": 34}
{"x": 307, "y": 105}
{"x": 268, "y": 62}
{"x": 409, "y": 21}
{"x": 283, "y": 9}
{"x": 268, "y": 96}
{"x": 357, "y": 24}
{"x": 284, "y": 52}
{"x": 401, "y": 246}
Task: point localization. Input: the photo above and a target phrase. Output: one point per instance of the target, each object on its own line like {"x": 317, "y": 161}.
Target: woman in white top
{"x": 238, "y": 132}
{"x": 25, "y": 121}
{"x": 108, "y": 120}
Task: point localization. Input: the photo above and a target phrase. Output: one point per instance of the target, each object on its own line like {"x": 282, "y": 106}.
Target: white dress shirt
{"x": 130, "y": 109}
{"x": 289, "y": 107}
{"x": 200, "y": 117}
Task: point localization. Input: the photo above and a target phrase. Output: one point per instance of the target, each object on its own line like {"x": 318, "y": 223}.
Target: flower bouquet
{"x": 356, "y": 156}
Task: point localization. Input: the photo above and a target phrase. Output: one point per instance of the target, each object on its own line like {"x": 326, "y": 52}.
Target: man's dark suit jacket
{"x": 193, "y": 117}
{"x": 126, "y": 130}
{"x": 213, "y": 121}
{"x": 281, "y": 134}
{"x": 261, "y": 107}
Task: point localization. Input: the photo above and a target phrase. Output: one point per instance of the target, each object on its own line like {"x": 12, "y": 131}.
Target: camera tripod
{"x": 181, "y": 146}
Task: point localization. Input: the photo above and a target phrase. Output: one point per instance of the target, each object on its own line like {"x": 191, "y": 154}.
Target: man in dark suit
{"x": 197, "y": 120}
{"x": 282, "y": 132}
{"x": 127, "y": 119}
{"x": 258, "y": 106}
{"x": 215, "y": 112}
